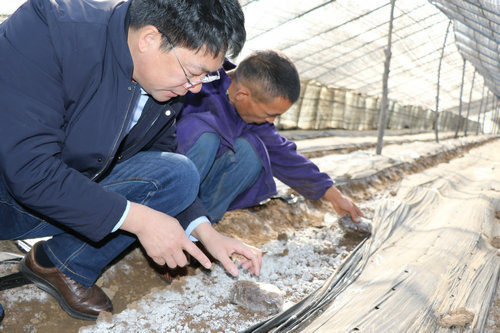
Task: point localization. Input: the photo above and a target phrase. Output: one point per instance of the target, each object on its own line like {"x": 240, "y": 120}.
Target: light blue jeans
{"x": 222, "y": 179}
{"x": 167, "y": 182}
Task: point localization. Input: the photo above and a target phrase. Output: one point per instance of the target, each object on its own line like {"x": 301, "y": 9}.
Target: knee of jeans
{"x": 206, "y": 144}
{"x": 186, "y": 175}
{"x": 247, "y": 156}
{"x": 203, "y": 152}
{"x": 209, "y": 139}
{"x": 204, "y": 148}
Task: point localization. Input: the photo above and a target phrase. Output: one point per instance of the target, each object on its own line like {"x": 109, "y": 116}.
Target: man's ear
{"x": 242, "y": 93}
{"x": 149, "y": 37}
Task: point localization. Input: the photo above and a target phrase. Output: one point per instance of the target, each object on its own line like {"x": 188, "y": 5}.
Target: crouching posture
{"x": 227, "y": 130}
{"x": 89, "y": 96}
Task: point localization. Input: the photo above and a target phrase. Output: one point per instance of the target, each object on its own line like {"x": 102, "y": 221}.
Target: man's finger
{"x": 180, "y": 259}
{"x": 170, "y": 261}
{"x": 193, "y": 250}
{"x": 254, "y": 256}
{"x": 229, "y": 265}
{"x": 159, "y": 261}
{"x": 360, "y": 213}
{"x": 356, "y": 213}
{"x": 246, "y": 264}
{"x": 354, "y": 216}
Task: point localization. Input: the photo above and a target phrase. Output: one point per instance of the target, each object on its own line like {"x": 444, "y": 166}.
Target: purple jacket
{"x": 210, "y": 111}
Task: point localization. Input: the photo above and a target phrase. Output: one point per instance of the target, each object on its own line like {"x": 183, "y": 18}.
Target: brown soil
{"x": 132, "y": 276}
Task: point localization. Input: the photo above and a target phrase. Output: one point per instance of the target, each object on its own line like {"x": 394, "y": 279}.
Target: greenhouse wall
{"x": 320, "y": 107}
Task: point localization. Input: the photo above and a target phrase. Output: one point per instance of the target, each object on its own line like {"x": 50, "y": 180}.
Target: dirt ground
{"x": 34, "y": 311}
{"x": 133, "y": 277}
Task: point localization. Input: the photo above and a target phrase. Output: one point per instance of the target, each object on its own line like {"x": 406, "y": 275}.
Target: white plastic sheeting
{"x": 477, "y": 33}
{"x": 320, "y": 107}
{"x": 433, "y": 251}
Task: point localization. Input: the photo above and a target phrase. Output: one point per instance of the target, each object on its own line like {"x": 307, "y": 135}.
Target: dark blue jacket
{"x": 66, "y": 98}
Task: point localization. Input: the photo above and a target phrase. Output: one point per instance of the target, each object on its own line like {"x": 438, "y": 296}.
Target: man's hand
{"x": 222, "y": 248}
{"x": 162, "y": 237}
{"x": 342, "y": 204}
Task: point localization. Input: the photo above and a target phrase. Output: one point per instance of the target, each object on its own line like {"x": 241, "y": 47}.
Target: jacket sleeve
{"x": 188, "y": 215}
{"x": 291, "y": 167}
{"x": 32, "y": 121}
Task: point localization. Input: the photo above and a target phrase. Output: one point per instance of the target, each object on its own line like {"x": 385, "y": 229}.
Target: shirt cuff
{"x": 193, "y": 224}
{"x": 124, "y": 216}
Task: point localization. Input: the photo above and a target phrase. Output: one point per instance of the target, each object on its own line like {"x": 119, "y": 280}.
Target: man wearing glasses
{"x": 89, "y": 93}
{"x": 227, "y": 130}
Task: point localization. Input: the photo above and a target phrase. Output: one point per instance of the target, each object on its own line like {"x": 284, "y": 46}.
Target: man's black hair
{"x": 269, "y": 74}
{"x": 218, "y": 25}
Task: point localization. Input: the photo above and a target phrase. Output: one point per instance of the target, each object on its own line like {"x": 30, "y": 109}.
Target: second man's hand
{"x": 223, "y": 248}
{"x": 342, "y": 204}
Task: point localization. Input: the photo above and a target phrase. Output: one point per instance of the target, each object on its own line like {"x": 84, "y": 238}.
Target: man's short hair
{"x": 269, "y": 74}
{"x": 218, "y": 25}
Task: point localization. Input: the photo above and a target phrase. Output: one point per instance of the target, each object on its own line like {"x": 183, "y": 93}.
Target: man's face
{"x": 161, "y": 74}
{"x": 252, "y": 111}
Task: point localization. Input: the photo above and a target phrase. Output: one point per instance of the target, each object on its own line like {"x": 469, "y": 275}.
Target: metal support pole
{"x": 493, "y": 116}
{"x": 470, "y": 101}
{"x": 479, "y": 113}
{"x": 460, "y": 104}
{"x": 436, "y": 116}
{"x": 498, "y": 111}
{"x": 486, "y": 107}
{"x": 382, "y": 124}
{"x": 495, "y": 119}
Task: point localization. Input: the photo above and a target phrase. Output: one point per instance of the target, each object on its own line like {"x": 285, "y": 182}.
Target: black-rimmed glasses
{"x": 204, "y": 79}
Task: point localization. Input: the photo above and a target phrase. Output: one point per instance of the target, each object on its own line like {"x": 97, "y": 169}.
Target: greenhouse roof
{"x": 341, "y": 44}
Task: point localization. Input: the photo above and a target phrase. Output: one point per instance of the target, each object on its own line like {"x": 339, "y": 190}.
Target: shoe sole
{"x": 49, "y": 288}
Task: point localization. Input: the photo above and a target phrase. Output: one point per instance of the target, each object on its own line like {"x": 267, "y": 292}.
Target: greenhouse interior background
{"x": 438, "y": 56}
{"x": 409, "y": 66}
{"x": 444, "y": 56}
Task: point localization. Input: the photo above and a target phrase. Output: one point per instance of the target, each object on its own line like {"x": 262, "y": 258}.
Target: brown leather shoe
{"x": 79, "y": 301}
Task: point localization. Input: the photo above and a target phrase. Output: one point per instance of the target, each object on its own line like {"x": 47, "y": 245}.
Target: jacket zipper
{"x": 145, "y": 133}
{"x": 110, "y": 156}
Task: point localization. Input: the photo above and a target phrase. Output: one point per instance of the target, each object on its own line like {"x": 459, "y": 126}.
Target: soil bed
{"x": 302, "y": 243}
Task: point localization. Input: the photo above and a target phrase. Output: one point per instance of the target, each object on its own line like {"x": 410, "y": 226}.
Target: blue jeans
{"x": 167, "y": 182}
{"x": 222, "y": 179}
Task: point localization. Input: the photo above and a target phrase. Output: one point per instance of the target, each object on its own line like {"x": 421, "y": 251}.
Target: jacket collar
{"x": 117, "y": 37}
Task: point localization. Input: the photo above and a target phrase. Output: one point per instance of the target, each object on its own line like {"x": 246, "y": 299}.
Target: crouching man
{"x": 89, "y": 96}
{"x": 227, "y": 130}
